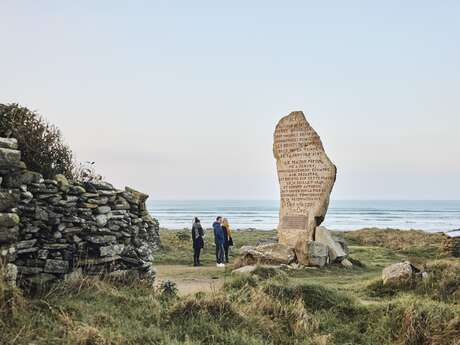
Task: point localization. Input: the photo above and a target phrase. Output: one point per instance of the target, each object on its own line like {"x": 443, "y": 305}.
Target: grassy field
{"x": 272, "y": 306}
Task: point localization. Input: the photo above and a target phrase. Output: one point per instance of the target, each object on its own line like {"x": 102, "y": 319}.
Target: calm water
{"x": 342, "y": 215}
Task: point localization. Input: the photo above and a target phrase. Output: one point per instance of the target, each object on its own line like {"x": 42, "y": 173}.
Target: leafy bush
{"x": 41, "y": 143}
{"x": 168, "y": 290}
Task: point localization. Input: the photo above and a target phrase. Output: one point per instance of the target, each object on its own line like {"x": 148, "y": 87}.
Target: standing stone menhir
{"x": 306, "y": 176}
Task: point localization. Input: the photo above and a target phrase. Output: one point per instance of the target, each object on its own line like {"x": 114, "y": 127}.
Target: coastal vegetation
{"x": 324, "y": 306}
{"x": 40, "y": 142}
{"x": 277, "y": 305}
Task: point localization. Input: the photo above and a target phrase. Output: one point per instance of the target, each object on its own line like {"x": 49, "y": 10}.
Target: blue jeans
{"x": 220, "y": 254}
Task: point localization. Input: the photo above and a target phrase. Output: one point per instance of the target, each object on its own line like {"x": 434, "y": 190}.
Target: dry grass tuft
{"x": 393, "y": 239}
{"x": 428, "y": 324}
{"x": 216, "y": 306}
{"x": 280, "y": 317}
{"x": 82, "y": 334}
{"x": 11, "y": 299}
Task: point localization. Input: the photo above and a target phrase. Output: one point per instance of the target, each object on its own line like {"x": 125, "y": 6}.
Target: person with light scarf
{"x": 228, "y": 241}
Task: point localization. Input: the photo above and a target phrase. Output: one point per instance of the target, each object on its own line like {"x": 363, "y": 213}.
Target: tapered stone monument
{"x": 306, "y": 177}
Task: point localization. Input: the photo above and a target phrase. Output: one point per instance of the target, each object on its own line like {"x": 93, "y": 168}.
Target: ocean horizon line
{"x": 260, "y": 199}
{"x": 430, "y": 215}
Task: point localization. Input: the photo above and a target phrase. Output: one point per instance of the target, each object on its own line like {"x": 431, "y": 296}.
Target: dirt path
{"x": 190, "y": 280}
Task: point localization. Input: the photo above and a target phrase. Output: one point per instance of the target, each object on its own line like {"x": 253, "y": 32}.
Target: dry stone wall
{"x": 53, "y": 229}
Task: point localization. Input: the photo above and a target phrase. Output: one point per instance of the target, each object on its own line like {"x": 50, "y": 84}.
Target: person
{"x": 198, "y": 243}
{"x": 219, "y": 240}
{"x": 228, "y": 241}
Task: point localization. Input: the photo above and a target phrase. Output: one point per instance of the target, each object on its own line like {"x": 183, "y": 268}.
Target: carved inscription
{"x": 305, "y": 173}
{"x": 296, "y": 222}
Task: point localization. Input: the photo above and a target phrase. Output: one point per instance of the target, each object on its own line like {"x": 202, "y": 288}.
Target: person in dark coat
{"x": 228, "y": 241}
{"x": 219, "y": 241}
{"x": 198, "y": 242}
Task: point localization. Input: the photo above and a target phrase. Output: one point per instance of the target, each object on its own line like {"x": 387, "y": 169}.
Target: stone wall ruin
{"x": 53, "y": 229}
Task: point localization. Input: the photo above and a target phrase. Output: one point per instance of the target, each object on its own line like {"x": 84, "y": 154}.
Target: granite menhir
{"x": 306, "y": 176}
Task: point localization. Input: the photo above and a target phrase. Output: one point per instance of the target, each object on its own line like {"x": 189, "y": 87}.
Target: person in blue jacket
{"x": 219, "y": 239}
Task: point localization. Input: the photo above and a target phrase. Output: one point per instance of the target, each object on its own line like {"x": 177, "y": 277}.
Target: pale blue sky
{"x": 180, "y": 98}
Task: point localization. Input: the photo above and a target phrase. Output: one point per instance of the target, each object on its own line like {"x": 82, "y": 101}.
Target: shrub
{"x": 168, "y": 290}
{"x": 241, "y": 281}
{"x": 315, "y": 297}
{"x": 376, "y": 289}
{"x": 41, "y": 143}
{"x": 183, "y": 236}
{"x": 427, "y": 323}
{"x": 217, "y": 308}
{"x": 279, "y": 317}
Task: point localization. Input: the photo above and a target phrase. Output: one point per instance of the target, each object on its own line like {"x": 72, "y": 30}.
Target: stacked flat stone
{"x": 10, "y": 163}
{"x": 52, "y": 229}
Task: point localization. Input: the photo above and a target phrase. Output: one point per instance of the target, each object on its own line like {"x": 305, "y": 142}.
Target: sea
{"x": 432, "y": 216}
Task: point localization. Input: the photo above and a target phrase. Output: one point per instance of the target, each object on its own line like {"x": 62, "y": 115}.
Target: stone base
{"x": 336, "y": 253}
{"x": 312, "y": 253}
{"x": 273, "y": 253}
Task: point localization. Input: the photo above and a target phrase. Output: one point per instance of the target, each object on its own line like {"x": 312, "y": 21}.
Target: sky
{"x": 180, "y": 98}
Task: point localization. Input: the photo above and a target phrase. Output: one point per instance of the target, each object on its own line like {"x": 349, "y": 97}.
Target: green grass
{"x": 326, "y": 306}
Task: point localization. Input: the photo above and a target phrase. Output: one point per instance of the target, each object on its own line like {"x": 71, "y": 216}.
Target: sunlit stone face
{"x": 306, "y": 176}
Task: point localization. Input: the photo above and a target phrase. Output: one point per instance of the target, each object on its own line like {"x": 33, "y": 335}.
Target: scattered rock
{"x": 343, "y": 243}
{"x": 336, "y": 253}
{"x": 245, "y": 269}
{"x": 398, "y": 273}
{"x": 269, "y": 240}
{"x": 312, "y": 253}
{"x": 346, "y": 263}
{"x": 273, "y": 253}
